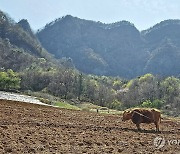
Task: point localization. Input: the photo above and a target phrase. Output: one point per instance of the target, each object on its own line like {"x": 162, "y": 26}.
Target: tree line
{"x": 113, "y": 92}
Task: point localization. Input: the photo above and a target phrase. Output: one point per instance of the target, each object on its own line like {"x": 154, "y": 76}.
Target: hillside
{"x": 30, "y": 128}
{"x": 165, "y": 30}
{"x": 97, "y": 48}
{"x": 164, "y": 60}
{"x": 112, "y": 49}
{"x": 19, "y": 47}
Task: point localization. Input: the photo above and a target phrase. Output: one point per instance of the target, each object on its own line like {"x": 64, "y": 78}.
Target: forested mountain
{"x": 163, "y": 42}
{"x": 114, "y": 49}
{"x": 19, "y": 47}
{"x": 103, "y": 49}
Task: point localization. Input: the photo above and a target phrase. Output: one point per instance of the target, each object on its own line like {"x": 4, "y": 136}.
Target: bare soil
{"x": 31, "y": 128}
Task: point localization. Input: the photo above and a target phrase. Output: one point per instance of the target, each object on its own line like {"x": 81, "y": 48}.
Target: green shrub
{"x": 147, "y": 104}
{"x": 155, "y": 104}
{"x": 9, "y": 80}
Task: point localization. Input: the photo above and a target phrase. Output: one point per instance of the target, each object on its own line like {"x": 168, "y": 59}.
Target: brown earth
{"x": 30, "y": 128}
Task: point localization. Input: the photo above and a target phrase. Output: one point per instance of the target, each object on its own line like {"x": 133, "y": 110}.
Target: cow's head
{"x": 126, "y": 115}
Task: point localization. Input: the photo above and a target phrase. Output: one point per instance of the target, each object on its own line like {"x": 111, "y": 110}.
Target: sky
{"x": 142, "y": 13}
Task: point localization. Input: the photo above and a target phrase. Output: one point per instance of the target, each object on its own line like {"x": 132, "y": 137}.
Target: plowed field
{"x": 31, "y": 128}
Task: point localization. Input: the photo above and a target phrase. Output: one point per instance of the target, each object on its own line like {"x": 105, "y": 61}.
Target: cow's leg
{"x": 138, "y": 126}
{"x": 157, "y": 126}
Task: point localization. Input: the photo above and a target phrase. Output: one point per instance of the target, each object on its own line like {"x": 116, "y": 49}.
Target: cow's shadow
{"x": 150, "y": 131}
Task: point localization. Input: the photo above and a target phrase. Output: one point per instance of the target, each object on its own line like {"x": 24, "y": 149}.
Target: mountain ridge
{"x": 116, "y": 49}
{"x": 124, "y": 49}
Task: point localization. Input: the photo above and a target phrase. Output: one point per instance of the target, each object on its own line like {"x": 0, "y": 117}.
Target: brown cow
{"x": 142, "y": 115}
